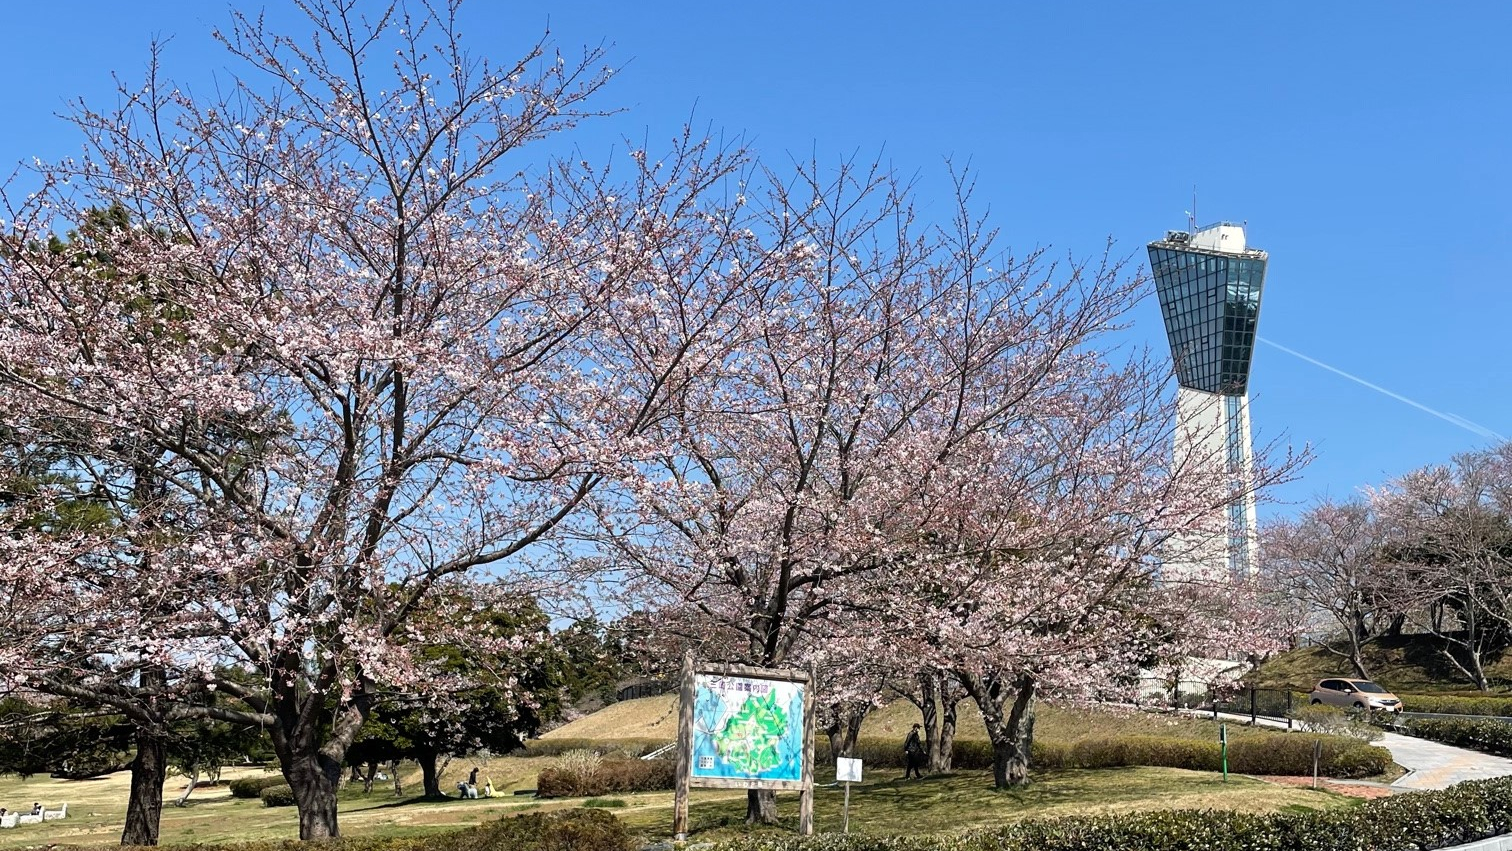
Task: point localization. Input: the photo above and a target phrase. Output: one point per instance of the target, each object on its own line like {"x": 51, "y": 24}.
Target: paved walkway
{"x": 1429, "y": 765}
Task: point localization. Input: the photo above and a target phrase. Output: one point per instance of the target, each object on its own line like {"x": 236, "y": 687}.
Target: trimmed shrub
{"x": 1422, "y": 820}
{"x": 1477, "y": 734}
{"x": 249, "y": 787}
{"x": 611, "y": 776}
{"x": 1270, "y": 753}
{"x": 614, "y": 748}
{"x": 1457, "y": 705}
{"x": 563, "y": 830}
{"x": 1335, "y": 721}
{"x": 277, "y": 796}
{"x": 1116, "y": 751}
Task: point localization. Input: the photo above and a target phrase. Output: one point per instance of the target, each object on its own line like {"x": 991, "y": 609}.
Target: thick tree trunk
{"x": 312, "y": 766}
{"x": 761, "y": 806}
{"x": 430, "y": 778}
{"x": 1013, "y": 736}
{"x": 144, "y": 809}
{"x": 398, "y": 781}
{"x": 315, "y": 779}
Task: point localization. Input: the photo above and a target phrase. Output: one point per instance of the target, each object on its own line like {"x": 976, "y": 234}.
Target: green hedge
{"x": 1477, "y": 734}
{"x": 277, "y": 796}
{"x": 563, "y": 830}
{"x": 1456, "y": 705}
{"x": 249, "y": 787}
{"x": 1275, "y": 753}
{"x": 610, "y": 777}
{"x": 1420, "y": 821}
{"x": 624, "y": 748}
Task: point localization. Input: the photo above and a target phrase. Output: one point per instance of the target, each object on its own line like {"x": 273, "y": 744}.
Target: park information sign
{"x": 745, "y": 728}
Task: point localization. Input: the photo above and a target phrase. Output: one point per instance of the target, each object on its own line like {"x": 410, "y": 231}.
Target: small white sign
{"x": 848, "y": 770}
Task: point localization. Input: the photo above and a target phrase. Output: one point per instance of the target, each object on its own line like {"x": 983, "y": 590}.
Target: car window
{"x": 1368, "y": 687}
{"x": 1331, "y": 685}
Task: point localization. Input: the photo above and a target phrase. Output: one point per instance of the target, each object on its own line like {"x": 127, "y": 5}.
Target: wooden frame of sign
{"x": 804, "y": 786}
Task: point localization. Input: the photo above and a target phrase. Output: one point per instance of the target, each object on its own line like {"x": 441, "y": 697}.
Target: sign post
{"x": 741, "y": 727}
{"x": 684, "y": 750}
{"x": 1223, "y": 748}
{"x": 847, "y": 771}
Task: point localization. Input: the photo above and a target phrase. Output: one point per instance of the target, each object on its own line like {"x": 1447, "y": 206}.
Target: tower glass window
{"x": 1210, "y": 301}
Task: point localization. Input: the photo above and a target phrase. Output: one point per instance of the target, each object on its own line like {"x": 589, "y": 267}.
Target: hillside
{"x": 656, "y": 718}
{"x": 1410, "y": 664}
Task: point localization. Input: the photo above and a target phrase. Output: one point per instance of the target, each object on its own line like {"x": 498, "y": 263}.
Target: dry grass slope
{"x": 656, "y": 718}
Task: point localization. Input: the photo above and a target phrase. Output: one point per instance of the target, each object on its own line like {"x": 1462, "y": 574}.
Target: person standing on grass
{"x": 913, "y": 754}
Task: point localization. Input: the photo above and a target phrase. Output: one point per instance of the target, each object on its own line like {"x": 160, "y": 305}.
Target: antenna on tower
{"x": 1192, "y": 216}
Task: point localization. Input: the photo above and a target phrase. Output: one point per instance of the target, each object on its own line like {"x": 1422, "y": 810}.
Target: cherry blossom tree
{"x": 916, "y": 422}
{"x": 348, "y": 347}
{"x": 1329, "y": 559}
{"x": 1447, "y": 555}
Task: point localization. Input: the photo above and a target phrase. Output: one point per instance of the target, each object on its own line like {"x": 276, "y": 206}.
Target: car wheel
{"x": 1316, "y": 702}
{"x": 1359, "y": 705}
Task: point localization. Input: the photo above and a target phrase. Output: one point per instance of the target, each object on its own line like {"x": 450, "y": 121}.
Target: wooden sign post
{"x": 736, "y": 739}
{"x": 847, "y": 771}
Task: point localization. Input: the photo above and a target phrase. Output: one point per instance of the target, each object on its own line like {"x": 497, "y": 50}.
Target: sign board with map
{"x": 745, "y": 728}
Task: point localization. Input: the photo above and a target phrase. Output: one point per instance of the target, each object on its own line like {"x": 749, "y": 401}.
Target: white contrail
{"x": 1448, "y": 418}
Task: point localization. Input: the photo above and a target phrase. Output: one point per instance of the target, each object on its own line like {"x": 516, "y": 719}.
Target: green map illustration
{"x": 747, "y": 728}
{"x": 749, "y": 740}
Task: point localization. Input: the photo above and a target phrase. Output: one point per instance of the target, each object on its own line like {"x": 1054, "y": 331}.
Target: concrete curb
{"x": 1495, "y": 843}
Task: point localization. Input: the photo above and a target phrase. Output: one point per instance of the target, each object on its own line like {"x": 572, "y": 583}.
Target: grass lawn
{"x": 884, "y": 804}
{"x": 97, "y": 807}
{"x": 887, "y": 804}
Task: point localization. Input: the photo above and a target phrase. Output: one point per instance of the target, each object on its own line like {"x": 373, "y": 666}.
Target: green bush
{"x": 1477, "y": 734}
{"x": 611, "y": 776}
{"x": 1264, "y": 753}
{"x": 1420, "y": 821}
{"x": 249, "y": 787}
{"x": 617, "y": 748}
{"x": 1116, "y": 751}
{"x": 563, "y": 830}
{"x": 277, "y": 796}
{"x": 1456, "y": 705}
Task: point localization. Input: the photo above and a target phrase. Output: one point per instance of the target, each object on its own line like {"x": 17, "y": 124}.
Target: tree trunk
{"x": 1011, "y": 737}
{"x": 184, "y": 798}
{"x": 144, "y": 809}
{"x": 372, "y": 774}
{"x": 398, "y": 782}
{"x": 948, "y": 701}
{"x": 430, "y": 778}
{"x": 929, "y": 693}
{"x": 314, "y": 778}
{"x": 846, "y": 727}
{"x": 761, "y": 806}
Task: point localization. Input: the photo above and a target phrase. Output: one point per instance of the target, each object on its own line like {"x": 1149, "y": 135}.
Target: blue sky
{"x": 1365, "y": 144}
